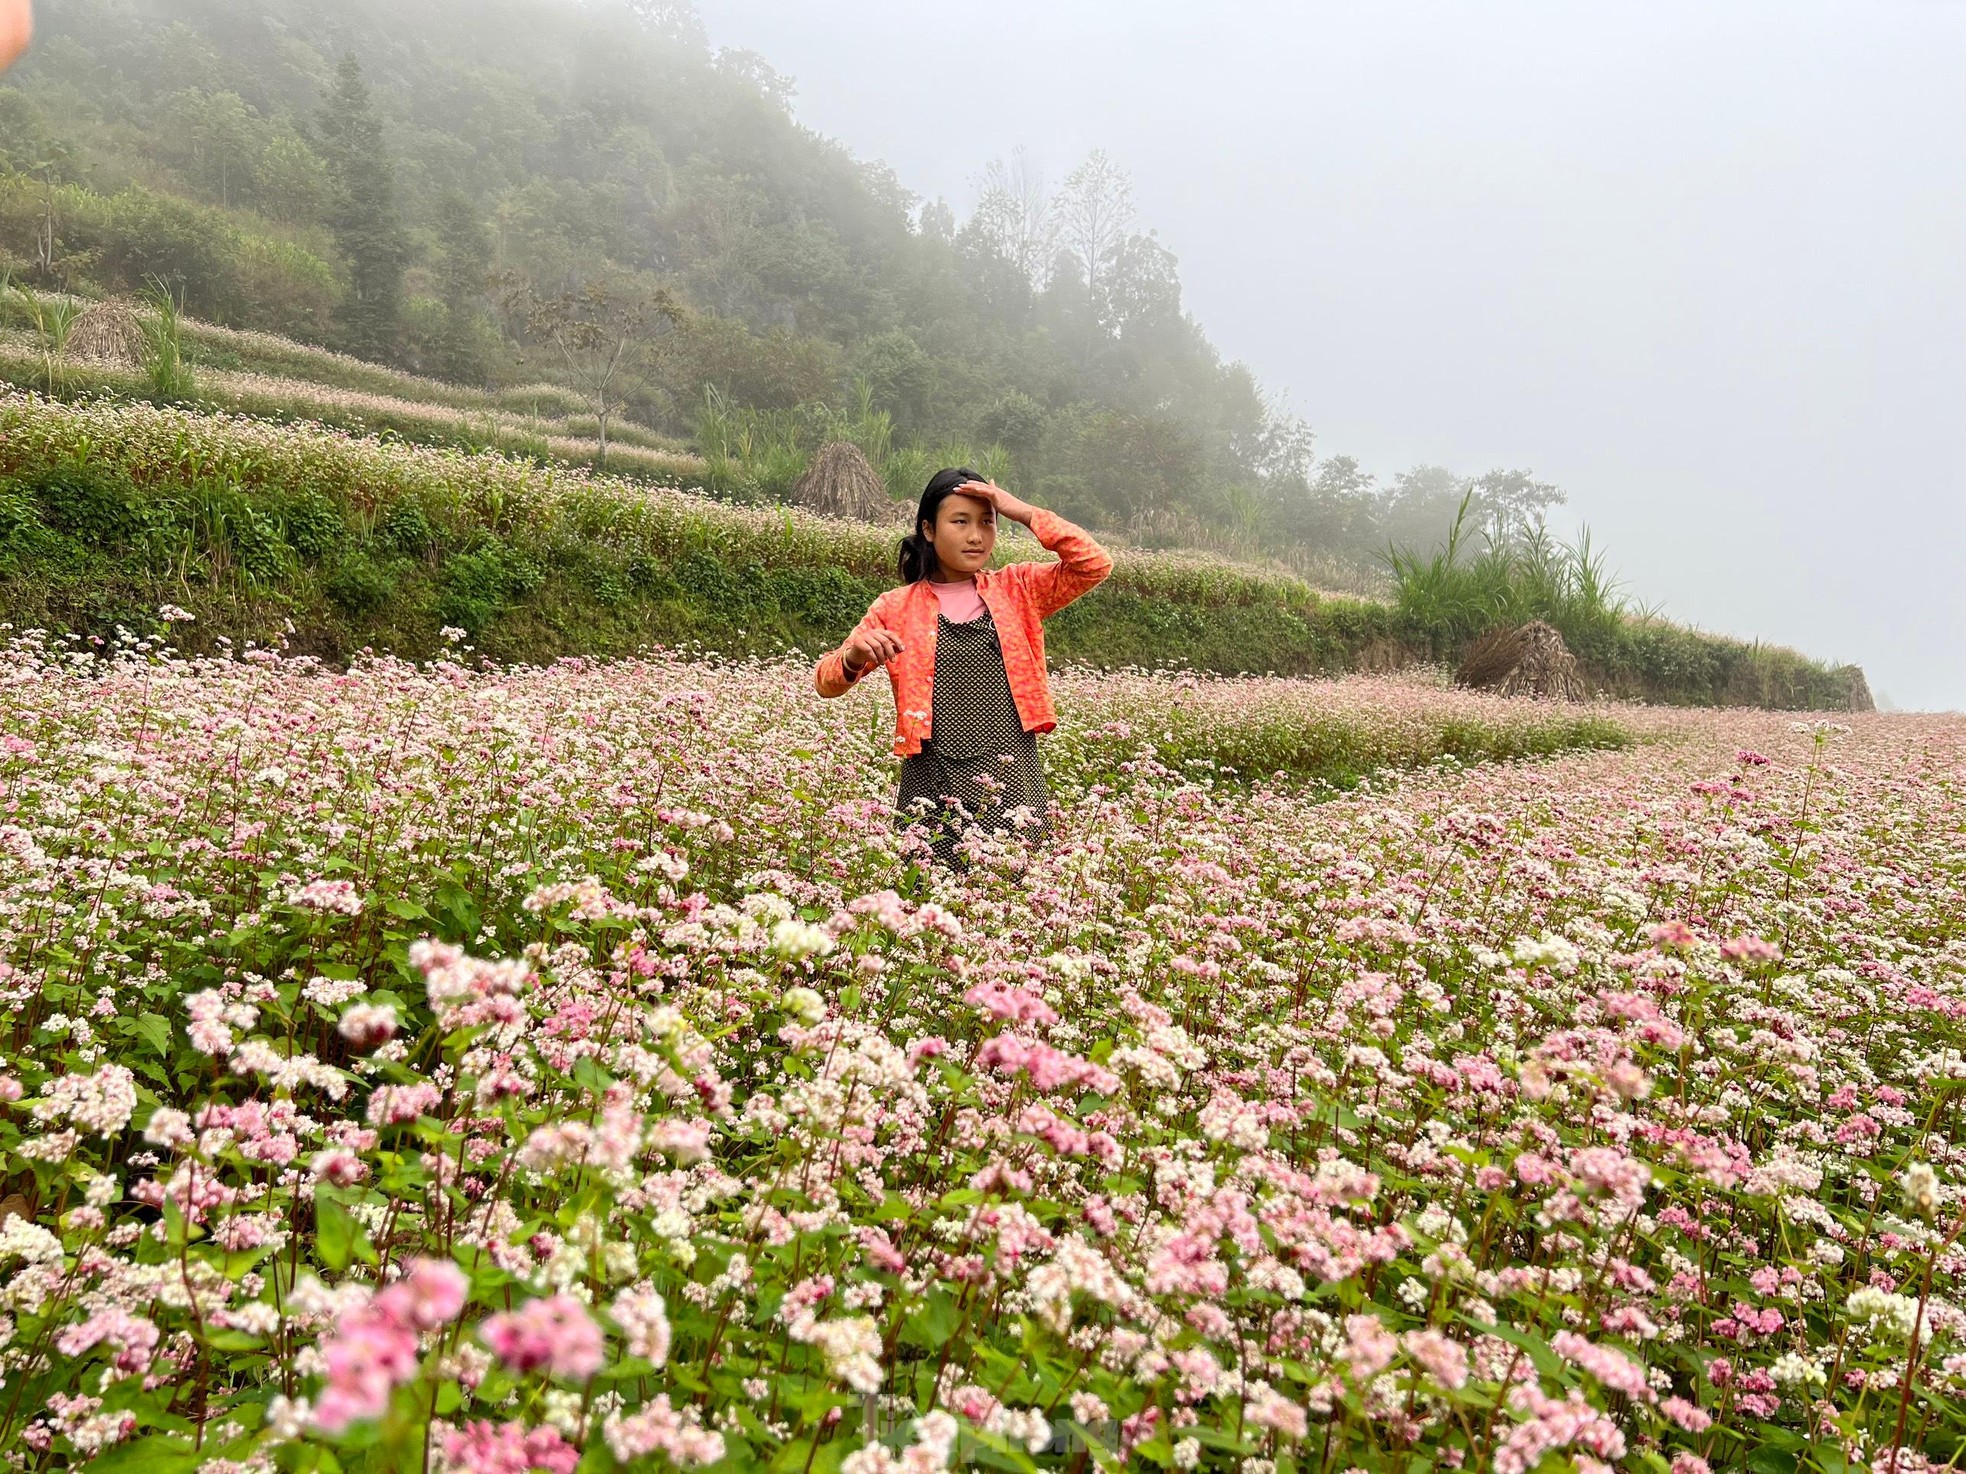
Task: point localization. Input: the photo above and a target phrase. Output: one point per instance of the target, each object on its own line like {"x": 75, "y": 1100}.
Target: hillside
{"x": 439, "y": 223}
{"x": 333, "y": 542}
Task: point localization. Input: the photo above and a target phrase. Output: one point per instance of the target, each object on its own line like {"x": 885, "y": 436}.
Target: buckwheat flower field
{"x": 564, "y": 1069}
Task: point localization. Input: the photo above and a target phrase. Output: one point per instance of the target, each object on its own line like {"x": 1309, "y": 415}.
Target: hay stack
{"x": 1529, "y": 661}
{"x": 841, "y": 483}
{"x": 107, "y": 333}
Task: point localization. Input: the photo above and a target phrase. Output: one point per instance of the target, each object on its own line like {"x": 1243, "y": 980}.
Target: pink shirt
{"x": 959, "y": 602}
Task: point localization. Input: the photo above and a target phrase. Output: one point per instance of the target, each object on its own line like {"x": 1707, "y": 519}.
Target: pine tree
{"x": 363, "y": 216}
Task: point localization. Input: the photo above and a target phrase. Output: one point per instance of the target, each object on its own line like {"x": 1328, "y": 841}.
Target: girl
{"x": 964, "y": 648}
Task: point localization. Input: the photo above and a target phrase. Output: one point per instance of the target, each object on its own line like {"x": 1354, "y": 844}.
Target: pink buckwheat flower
{"x": 429, "y": 1295}
{"x": 676, "y": 1433}
{"x": 644, "y": 1321}
{"x": 337, "y": 896}
{"x": 1439, "y": 1356}
{"x": 484, "y": 1447}
{"x": 1369, "y": 1347}
{"x": 555, "y": 1333}
{"x": 367, "y": 1025}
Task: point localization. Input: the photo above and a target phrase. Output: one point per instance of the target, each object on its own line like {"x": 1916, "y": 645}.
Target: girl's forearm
{"x": 1015, "y": 508}
{"x": 1082, "y": 564}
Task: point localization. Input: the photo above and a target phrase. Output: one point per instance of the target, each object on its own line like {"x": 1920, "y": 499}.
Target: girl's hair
{"x": 917, "y": 560}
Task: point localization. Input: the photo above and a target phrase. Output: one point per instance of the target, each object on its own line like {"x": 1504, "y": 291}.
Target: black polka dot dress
{"x": 979, "y": 766}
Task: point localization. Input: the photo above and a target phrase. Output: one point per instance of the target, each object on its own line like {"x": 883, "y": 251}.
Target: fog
{"x": 1702, "y": 264}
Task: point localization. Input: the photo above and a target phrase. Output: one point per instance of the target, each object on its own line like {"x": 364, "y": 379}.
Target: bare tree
{"x": 1016, "y": 214}
{"x": 1095, "y": 213}
{"x": 599, "y": 333}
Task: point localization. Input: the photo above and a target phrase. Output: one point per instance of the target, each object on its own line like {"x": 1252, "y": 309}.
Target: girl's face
{"x": 964, "y": 536}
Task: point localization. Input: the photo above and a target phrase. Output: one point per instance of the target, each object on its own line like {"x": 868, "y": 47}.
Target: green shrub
{"x": 166, "y": 363}
{"x": 823, "y": 598}
{"x": 258, "y": 550}
{"x": 313, "y": 525}
{"x": 710, "y": 580}
{"x": 479, "y": 583}
{"x": 92, "y": 506}
{"x": 652, "y": 578}
{"x": 22, "y": 532}
{"x": 610, "y": 585}
{"x": 405, "y": 529}
{"x": 241, "y": 533}
{"x": 360, "y": 585}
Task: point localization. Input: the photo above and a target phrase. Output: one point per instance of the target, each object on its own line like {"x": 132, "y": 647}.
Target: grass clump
{"x": 166, "y": 361}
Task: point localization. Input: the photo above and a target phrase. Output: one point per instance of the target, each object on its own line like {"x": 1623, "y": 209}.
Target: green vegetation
{"x": 566, "y": 439}
{"x": 399, "y": 181}
{"x": 335, "y": 543}
{"x": 1522, "y": 573}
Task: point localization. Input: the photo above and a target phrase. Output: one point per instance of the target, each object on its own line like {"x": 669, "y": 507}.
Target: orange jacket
{"x": 1020, "y": 598}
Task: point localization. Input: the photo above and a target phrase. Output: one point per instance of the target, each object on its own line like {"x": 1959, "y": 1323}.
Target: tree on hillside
{"x": 294, "y": 184}
{"x": 218, "y": 140}
{"x": 1339, "y": 508}
{"x": 600, "y": 333}
{"x": 1095, "y": 213}
{"x": 898, "y": 374}
{"x": 363, "y": 216}
{"x": 674, "y": 20}
{"x": 1514, "y": 504}
{"x": 1141, "y": 287}
{"x": 463, "y": 272}
{"x": 1015, "y": 214}
{"x": 753, "y": 70}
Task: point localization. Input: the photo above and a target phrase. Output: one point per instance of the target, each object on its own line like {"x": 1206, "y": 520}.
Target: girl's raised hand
{"x": 1006, "y": 505}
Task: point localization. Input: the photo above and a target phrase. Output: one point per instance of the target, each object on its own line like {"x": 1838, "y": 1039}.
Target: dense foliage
{"x": 518, "y": 1070}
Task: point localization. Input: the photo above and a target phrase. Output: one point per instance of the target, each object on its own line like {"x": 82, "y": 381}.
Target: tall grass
{"x": 53, "y": 317}
{"x": 166, "y": 362}
{"x": 1458, "y": 594}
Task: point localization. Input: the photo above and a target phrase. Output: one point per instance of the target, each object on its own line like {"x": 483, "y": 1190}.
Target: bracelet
{"x": 847, "y": 669}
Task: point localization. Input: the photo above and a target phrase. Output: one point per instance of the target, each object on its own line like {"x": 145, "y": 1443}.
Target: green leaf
{"x": 407, "y": 910}
{"x": 234, "y": 1341}
{"x": 339, "y": 1236}
{"x": 792, "y": 1457}
{"x": 157, "y": 1454}
{"x": 157, "y": 1029}
{"x": 933, "y": 1324}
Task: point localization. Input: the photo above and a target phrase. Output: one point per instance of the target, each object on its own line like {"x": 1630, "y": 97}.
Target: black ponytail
{"x": 917, "y": 560}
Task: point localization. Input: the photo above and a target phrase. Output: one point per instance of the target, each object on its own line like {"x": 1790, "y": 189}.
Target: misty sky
{"x": 1701, "y": 262}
